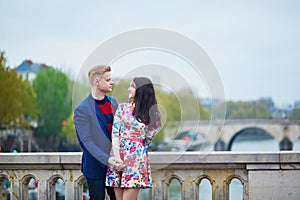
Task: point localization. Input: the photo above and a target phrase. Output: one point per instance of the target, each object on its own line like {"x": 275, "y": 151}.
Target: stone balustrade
{"x": 265, "y": 175}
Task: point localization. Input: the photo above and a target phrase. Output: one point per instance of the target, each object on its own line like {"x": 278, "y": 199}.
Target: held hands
{"x": 116, "y": 162}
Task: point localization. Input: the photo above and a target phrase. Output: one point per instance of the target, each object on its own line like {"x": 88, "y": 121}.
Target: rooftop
{"x": 29, "y": 66}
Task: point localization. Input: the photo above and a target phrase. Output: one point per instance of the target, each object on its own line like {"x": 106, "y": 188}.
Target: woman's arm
{"x": 116, "y": 132}
{"x": 152, "y": 131}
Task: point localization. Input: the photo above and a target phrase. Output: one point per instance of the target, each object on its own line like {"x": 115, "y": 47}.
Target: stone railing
{"x": 267, "y": 175}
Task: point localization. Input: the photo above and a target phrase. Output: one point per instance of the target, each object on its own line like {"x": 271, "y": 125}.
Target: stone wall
{"x": 273, "y": 175}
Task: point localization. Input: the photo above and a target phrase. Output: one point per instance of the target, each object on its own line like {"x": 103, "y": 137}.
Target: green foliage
{"x": 173, "y": 106}
{"x": 191, "y": 107}
{"x": 169, "y": 103}
{"x": 17, "y": 99}
{"x": 53, "y": 100}
{"x": 170, "y": 112}
{"x": 295, "y": 114}
{"x": 68, "y": 130}
{"x": 268, "y": 102}
{"x": 78, "y": 92}
{"x": 246, "y": 110}
{"x": 180, "y": 106}
{"x": 120, "y": 90}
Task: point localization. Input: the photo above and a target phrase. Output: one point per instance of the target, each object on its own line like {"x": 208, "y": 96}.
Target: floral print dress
{"x": 134, "y": 138}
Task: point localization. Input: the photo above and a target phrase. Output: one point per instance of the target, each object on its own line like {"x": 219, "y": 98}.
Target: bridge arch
{"x": 296, "y": 146}
{"x": 167, "y": 183}
{"x": 222, "y": 134}
{"x": 250, "y": 133}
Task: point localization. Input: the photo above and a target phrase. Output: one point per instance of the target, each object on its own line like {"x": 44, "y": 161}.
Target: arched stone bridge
{"x": 222, "y": 133}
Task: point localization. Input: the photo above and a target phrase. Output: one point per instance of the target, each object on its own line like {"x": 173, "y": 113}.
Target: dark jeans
{"x": 97, "y": 189}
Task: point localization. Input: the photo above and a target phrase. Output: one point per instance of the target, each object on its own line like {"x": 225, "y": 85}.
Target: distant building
{"x": 28, "y": 70}
{"x": 297, "y": 104}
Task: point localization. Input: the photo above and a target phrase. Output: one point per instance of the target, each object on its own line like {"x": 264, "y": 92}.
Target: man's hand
{"x": 116, "y": 162}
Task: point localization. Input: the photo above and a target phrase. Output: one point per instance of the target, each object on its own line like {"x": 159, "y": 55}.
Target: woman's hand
{"x": 116, "y": 162}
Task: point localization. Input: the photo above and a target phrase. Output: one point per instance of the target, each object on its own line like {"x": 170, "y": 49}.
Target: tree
{"x": 53, "y": 101}
{"x": 191, "y": 107}
{"x": 180, "y": 106}
{"x": 68, "y": 130}
{"x": 295, "y": 114}
{"x": 120, "y": 90}
{"x": 173, "y": 107}
{"x": 268, "y": 101}
{"x": 246, "y": 110}
{"x": 17, "y": 99}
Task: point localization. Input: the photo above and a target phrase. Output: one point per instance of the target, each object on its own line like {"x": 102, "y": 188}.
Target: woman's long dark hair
{"x": 145, "y": 110}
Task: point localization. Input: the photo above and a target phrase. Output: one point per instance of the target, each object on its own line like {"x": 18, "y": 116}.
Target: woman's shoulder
{"x": 125, "y": 105}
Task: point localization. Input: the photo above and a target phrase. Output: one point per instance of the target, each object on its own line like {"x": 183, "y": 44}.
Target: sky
{"x": 254, "y": 45}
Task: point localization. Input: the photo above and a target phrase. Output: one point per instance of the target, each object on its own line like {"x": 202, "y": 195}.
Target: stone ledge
{"x": 41, "y": 158}
{"x": 194, "y": 159}
{"x": 289, "y": 156}
{"x": 220, "y": 157}
{"x": 263, "y": 166}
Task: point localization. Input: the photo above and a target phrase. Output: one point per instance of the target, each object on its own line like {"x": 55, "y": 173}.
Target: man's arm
{"x": 83, "y": 128}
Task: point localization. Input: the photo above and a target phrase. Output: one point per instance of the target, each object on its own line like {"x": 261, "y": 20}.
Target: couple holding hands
{"x": 114, "y": 138}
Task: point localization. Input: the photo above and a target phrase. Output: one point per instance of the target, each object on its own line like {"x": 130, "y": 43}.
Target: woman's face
{"x": 131, "y": 90}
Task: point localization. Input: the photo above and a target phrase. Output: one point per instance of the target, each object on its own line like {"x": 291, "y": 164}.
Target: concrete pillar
{"x": 69, "y": 190}
{"x": 73, "y": 190}
{"x": 220, "y": 145}
{"x": 43, "y": 192}
{"x": 14, "y": 185}
{"x": 78, "y": 185}
{"x": 157, "y": 189}
{"x": 219, "y": 185}
{"x": 188, "y": 188}
{"x": 285, "y": 144}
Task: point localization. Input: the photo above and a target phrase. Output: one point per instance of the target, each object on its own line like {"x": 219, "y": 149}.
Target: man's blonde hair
{"x": 97, "y": 71}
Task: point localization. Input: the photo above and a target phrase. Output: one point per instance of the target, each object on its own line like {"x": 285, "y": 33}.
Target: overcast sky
{"x": 255, "y": 45}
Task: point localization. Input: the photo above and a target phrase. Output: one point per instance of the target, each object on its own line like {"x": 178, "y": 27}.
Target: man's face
{"x": 105, "y": 83}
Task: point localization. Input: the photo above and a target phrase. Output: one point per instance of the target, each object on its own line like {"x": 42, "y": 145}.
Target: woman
{"x": 135, "y": 124}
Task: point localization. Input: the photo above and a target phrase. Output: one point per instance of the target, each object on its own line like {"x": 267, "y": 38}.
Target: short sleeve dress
{"x": 134, "y": 138}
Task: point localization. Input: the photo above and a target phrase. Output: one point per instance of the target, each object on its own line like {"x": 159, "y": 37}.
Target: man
{"x": 93, "y": 120}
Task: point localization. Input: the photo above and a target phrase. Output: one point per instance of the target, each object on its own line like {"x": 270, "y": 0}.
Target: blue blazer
{"x": 93, "y": 138}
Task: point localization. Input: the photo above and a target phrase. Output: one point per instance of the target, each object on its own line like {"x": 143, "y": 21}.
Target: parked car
{"x": 185, "y": 141}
